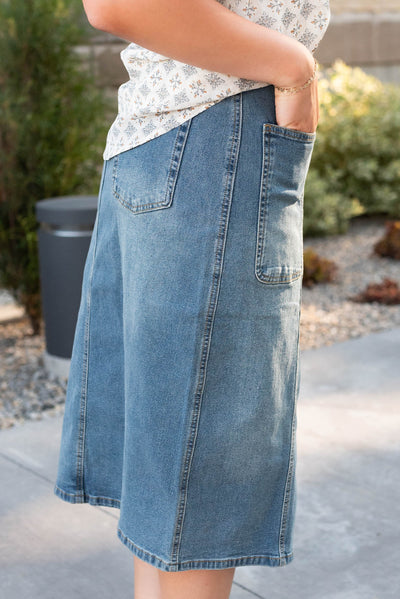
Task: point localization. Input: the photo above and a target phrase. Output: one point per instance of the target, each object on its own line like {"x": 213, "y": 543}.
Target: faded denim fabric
{"x": 181, "y": 400}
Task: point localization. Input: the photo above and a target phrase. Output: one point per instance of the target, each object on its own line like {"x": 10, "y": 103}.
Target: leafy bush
{"x": 326, "y": 212}
{"x": 387, "y": 292}
{"x": 52, "y": 128}
{"x": 317, "y": 269}
{"x": 357, "y": 151}
{"x": 389, "y": 244}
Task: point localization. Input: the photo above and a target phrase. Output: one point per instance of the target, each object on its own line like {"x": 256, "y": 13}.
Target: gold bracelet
{"x": 289, "y": 91}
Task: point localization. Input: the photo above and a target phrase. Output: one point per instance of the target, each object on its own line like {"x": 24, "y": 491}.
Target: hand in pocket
{"x": 299, "y": 111}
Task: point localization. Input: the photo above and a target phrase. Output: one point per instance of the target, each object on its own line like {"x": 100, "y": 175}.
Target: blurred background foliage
{"x": 52, "y": 129}
{"x": 355, "y": 167}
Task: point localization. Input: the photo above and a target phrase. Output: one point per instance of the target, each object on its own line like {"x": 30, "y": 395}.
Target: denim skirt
{"x": 183, "y": 384}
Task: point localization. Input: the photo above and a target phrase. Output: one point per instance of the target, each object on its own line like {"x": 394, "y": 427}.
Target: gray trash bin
{"x": 66, "y": 225}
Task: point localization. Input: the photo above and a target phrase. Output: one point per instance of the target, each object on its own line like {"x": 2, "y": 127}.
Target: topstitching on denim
{"x": 87, "y": 498}
{"x": 292, "y": 455}
{"x": 129, "y": 191}
{"x": 269, "y": 269}
{"x": 80, "y": 452}
{"x": 233, "y": 562}
{"x": 231, "y": 165}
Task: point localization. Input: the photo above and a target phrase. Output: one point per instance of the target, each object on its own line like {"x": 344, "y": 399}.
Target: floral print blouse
{"x": 163, "y": 93}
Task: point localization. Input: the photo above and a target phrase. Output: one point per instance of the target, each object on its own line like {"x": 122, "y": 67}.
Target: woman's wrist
{"x": 298, "y": 66}
{"x": 291, "y": 90}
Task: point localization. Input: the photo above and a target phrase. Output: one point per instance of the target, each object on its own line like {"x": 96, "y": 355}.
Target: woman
{"x": 181, "y": 401}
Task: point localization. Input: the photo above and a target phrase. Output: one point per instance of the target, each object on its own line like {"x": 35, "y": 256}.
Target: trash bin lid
{"x": 67, "y": 210}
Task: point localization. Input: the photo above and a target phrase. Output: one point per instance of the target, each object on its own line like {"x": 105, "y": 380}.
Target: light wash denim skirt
{"x": 183, "y": 384}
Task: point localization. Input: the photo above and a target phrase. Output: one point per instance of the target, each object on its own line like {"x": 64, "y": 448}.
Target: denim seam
{"x": 173, "y": 172}
{"x": 209, "y": 322}
{"x": 294, "y": 134}
{"x": 193, "y": 564}
{"x": 85, "y": 361}
{"x": 98, "y": 500}
{"x": 289, "y": 475}
{"x": 264, "y": 203}
{"x": 82, "y": 497}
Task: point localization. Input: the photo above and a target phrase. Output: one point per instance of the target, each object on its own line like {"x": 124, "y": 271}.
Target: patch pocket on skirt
{"x": 144, "y": 177}
{"x": 286, "y": 159}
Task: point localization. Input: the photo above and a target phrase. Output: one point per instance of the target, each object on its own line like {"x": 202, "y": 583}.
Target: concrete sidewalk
{"x": 347, "y": 535}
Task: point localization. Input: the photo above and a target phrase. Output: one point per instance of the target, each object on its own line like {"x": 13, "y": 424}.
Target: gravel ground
{"x": 328, "y": 315}
{"x": 27, "y": 391}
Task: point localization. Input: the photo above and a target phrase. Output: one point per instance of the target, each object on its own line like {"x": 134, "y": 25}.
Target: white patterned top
{"x": 162, "y": 93}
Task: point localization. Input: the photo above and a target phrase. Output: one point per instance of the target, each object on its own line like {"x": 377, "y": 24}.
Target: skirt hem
{"x": 203, "y": 564}
{"x": 86, "y": 498}
{"x": 207, "y": 564}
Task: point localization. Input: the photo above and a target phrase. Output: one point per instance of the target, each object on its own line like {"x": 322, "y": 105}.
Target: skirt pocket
{"x": 286, "y": 159}
{"x": 144, "y": 177}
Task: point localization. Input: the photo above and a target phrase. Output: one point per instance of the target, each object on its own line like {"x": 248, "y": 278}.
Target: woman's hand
{"x": 299, "y": 111}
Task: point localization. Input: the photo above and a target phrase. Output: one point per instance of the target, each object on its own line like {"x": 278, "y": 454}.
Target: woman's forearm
{"x": 205, "y": 34}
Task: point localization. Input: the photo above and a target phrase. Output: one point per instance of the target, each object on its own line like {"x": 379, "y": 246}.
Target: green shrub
{"x": 326, "y": 212}
{"x": 357, "y": 151}
{"x": 52, "y": 128}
